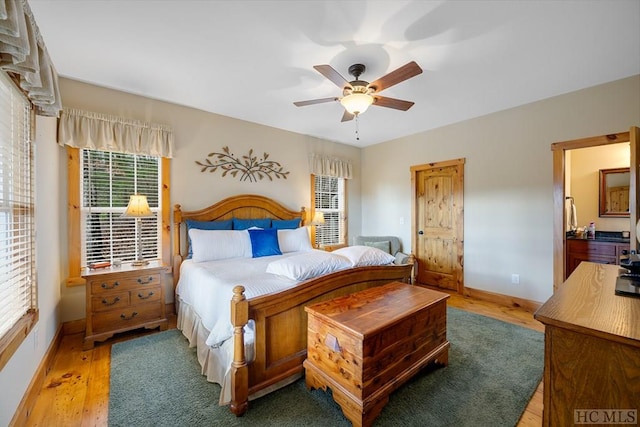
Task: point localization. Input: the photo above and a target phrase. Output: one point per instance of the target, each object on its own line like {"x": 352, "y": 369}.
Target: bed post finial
{"x": 239, "y": 369}
{"x": 414, "y": 269}
{"x": 177, "y": 255}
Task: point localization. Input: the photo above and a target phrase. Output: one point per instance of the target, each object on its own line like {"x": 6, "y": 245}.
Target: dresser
{"x": 603, "y": 252}
{"x": 124, "y": 298}
{"x": 592, "y": 350}
{"x": 365, "y": 345}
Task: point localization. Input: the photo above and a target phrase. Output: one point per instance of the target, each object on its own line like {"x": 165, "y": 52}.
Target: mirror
{"x": 614, "y": 192}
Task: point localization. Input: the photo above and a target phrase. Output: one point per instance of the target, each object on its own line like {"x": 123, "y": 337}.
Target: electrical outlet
{"x": 401, "y": 220}
{"x": 515, "y": 279}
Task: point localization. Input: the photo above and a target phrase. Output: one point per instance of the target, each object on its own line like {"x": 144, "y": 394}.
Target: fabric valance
{"x": 328, "y": 166}
{"x": 96, "y": 131}
{"x": 23, "y": 53}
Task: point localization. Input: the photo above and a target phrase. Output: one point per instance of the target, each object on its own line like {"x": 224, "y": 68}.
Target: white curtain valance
{"x": 96, "y": 131}
{"x": 328, "y": 166}
{"x": 23, "y": 53}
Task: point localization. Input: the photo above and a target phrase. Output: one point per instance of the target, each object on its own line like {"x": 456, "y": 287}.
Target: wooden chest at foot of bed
{"x": 365, "y": 345}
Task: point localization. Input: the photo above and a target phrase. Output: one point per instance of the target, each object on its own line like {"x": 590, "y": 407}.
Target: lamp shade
{"x": 138, "y": 207}
{"x": 318, "y": 219}
{"x": 356, "y": 103}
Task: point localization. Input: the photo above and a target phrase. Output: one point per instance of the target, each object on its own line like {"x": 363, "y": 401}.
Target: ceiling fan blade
{"x": 398, "y": 104}
{"x": 333, "y": 75}
{"x": 397, "y": 76}
{"x": 314, "y": 101}
{"x": 347, "y": 116}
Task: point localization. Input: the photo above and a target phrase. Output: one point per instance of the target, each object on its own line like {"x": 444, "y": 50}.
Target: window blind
{"x": 108, "y": 179}
{"x": 330, "y": 200}
{"x": 17, "y": 227}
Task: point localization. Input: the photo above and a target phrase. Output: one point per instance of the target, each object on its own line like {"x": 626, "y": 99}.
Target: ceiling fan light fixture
{"x": 356, "y": 103}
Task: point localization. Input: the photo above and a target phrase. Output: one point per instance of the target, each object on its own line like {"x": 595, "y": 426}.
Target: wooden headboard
{"x": 244, "y": 206}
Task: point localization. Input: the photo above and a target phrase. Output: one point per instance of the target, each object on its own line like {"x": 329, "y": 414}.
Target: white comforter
{"x": 208, "y": 287}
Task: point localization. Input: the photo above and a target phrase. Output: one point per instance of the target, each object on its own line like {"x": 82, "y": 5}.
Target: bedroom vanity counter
{"x": 592, "y": 349}
{"x": 365, "y": 345}
{"x": 603, "y": 250}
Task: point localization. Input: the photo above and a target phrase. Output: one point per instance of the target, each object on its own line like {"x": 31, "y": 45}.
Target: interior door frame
{"x": 559, "y": 153}
{"x": 459, "y": 212}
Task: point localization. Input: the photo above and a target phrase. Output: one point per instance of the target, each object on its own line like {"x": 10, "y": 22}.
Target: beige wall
{"x": 585, "y": 183}
{"x": 508, "y": 198}
{"x": 197, "y": 133}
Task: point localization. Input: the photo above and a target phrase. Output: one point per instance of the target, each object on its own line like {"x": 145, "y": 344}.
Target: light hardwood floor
{"x": 76, "y": 390}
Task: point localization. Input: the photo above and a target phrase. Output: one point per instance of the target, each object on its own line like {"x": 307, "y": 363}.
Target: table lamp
{"x": 138, "y": 208}
{"x": 318, "y": 220}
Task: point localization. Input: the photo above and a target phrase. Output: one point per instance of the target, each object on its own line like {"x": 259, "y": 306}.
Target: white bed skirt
{"x": 216, "y": 362}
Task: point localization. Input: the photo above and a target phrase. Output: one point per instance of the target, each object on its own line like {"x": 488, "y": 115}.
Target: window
{"x": 18, "y": 308}
{"x": 330, "y": 199}
{"x": 108, "y": 179}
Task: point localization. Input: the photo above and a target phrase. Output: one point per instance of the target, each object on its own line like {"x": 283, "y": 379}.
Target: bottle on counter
{"x": 592, "y": 230}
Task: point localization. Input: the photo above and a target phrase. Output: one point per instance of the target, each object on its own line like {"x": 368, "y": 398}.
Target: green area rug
{"x": 494, "y": 368}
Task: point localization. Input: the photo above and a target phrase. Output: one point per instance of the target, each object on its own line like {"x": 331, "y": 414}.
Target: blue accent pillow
{"x": 264, "y": 242}
{"x": 243, "y": 224}
{"x": 285, "y": 224}
{"x": 206, "y": 225}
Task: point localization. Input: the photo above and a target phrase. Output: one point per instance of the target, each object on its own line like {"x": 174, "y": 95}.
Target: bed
{"x": 267, "y": 342}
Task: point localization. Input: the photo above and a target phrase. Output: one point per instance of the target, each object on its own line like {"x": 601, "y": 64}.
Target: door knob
{"x": 420, "y": 232}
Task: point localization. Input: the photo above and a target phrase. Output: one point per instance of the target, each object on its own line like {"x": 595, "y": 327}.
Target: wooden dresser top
{"x": 586, "y": 302}
{"x": 365, "y": 312}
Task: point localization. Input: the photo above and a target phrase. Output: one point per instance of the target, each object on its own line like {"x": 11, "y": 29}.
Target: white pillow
{"x": 365, "y": 255}
{"x": 212, "y": 245}
{"x": 294, "y": 240}
{"x": 308, "y": 265}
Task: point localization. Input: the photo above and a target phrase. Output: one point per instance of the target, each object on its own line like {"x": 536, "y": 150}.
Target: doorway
{"x": 437, "y": 223}
{"x": 559, "y": 191}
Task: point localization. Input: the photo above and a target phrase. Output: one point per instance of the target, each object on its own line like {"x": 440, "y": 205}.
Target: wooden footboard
{"x": 281, "y": 326}
{"x": 280, "y": 319}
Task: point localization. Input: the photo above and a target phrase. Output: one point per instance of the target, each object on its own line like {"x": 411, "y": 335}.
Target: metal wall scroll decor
{"x": 248, "y": 167}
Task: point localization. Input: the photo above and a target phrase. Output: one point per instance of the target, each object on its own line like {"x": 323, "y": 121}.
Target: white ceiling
{"x": 252, "y": 59}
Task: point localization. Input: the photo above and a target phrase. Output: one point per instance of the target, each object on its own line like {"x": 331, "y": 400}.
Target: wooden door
{"x": 437, "y": 216}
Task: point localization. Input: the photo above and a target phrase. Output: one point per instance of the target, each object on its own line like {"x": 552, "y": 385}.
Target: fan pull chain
{"x": 357, "y": 128}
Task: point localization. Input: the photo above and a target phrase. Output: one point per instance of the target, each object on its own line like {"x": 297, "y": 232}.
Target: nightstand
{"x": 123, "y": 298}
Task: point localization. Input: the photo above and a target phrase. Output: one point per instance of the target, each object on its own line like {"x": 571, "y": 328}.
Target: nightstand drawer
{"x": 126, "y": 318}
{"x": 139, "y": 296}
{"x": 108, "y": 284}
{"x": 110, "y": 301}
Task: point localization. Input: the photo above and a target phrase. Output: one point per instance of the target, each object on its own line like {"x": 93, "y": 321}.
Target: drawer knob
{"x": 143, "y": 282}
{"x": 149, "y": 295}
{"x": 106, "y": 285}
{"x": 115, "y": 300}
{"x": 123, "y": 317}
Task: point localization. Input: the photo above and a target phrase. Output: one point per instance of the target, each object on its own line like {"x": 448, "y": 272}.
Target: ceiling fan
{"x": 358, "y": 95}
